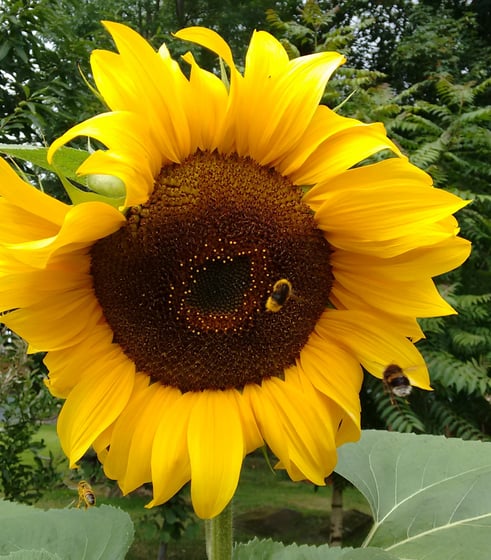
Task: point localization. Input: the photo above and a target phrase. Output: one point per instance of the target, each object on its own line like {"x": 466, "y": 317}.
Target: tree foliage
{"x": 42, "y": 91}
{"x": 45, "y": 47}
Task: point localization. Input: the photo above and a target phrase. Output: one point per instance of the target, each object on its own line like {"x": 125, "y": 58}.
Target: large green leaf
{"x": 430, "y": 496}
{"x": 99, "y": 533}
{"x": 270, "y": 550}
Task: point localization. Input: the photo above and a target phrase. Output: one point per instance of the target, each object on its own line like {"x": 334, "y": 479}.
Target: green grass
{"x": 266, "y": 505}
{"x": 47, "y": 432}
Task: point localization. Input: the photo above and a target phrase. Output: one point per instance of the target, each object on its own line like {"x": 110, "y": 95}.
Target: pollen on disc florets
{"x": 184, "y": 284}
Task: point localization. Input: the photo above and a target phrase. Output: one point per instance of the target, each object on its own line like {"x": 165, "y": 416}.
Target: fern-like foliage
{"x": 452, "y": 421}
{"x": 313, "y": 31}
{"x": 458, "y": 354}
{"x": 381, "y": 410}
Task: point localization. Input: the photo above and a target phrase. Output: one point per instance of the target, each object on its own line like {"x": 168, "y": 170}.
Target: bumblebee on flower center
{"x": 184, "y": 283}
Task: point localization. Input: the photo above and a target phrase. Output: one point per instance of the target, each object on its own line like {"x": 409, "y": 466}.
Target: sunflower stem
{"x": 218, "y": 533}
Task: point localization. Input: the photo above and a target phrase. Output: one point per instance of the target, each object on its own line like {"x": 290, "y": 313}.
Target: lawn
{"x": 267, "y": 505}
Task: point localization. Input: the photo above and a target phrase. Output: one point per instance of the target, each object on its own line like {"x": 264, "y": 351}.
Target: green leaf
{"x": 99, "y": 533}
{"x": 31, "y": 555}
{"x": 4, "y": 49}
{"x": 67, "y": 160}
{"x": 430, "y": 496}
{"x": 270, "y": 550}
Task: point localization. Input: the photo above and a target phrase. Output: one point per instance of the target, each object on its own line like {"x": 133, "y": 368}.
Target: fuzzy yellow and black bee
{"x": 396, "y": 382}
{"x": 86, "y": 496}
{"x": 282, "y": 291}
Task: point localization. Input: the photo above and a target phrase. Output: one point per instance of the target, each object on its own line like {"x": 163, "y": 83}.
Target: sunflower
{"x": 256, "y": 263}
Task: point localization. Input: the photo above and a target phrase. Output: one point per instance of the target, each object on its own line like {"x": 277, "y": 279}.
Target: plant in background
{"x": 26, "y": 472}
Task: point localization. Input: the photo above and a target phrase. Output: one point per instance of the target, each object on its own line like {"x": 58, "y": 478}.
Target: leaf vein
{"x": 440, "y": 528}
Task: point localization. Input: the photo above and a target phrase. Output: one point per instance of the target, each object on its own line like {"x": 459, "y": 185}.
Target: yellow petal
{"x": 401, "y": 284}
{"x": 421, "y": 262}
{"x": 403, "y": 325}
{"x": 65, "y": 318}
{"x": 378, "y": 214}
{"x": 101, "y": 443}
{"x": 386, "y": 174}
{"x": 68, "y": 366}
{"x": 129, "y": 457}
{"x": 123, "y": 431}
{"x": 26, "y": 197}
{"x": 325, "y": 364}
{"x": 131, "y": 156}
{"x": 170, "y": 464}
{"x": 209, "y": 39}
{"x": 30, "y": 287}
{"x": 216, "y": 450}
{"x": 342, "y": 151}
{"x": 415, "y": 299}
{"x": 292, "y": 88}
{"x": 209, "y": 104}
{"x": 295, "y": 96}
{"x": 324, "y": 124}
{"x": 328, "y": 415}
{"x": 252, "y": 434}
{"x": 83, "y": 224}
{"x": 289, "y": 427}
{"x": 33, "y": 226}
{"x": 404, "y": 218}
{"x": 94, "y": 404}
{"x": 148, "y": 71}
{"x": 374, "y": 343}
{"x": 265, "y": 57}
{"x": 107, "y": 69}
{"x": 293, "y": 472}
{"x": 264, "y": 411}
{"x": 140, "y": 452}
{"x": 348, "y": 431}
{"x": 138, "y": 182}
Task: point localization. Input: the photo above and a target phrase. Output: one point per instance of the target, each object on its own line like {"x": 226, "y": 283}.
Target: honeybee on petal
{"x": 282, "y": 291}
{"x": 396, "y": 382}
{"x": 86, "y": 495}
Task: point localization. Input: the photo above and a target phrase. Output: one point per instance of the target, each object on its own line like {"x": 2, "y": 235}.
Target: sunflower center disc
{"x": 187, "y": 284}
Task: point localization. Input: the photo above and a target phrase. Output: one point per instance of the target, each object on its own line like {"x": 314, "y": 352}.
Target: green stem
{"x": 218, "y": 532}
